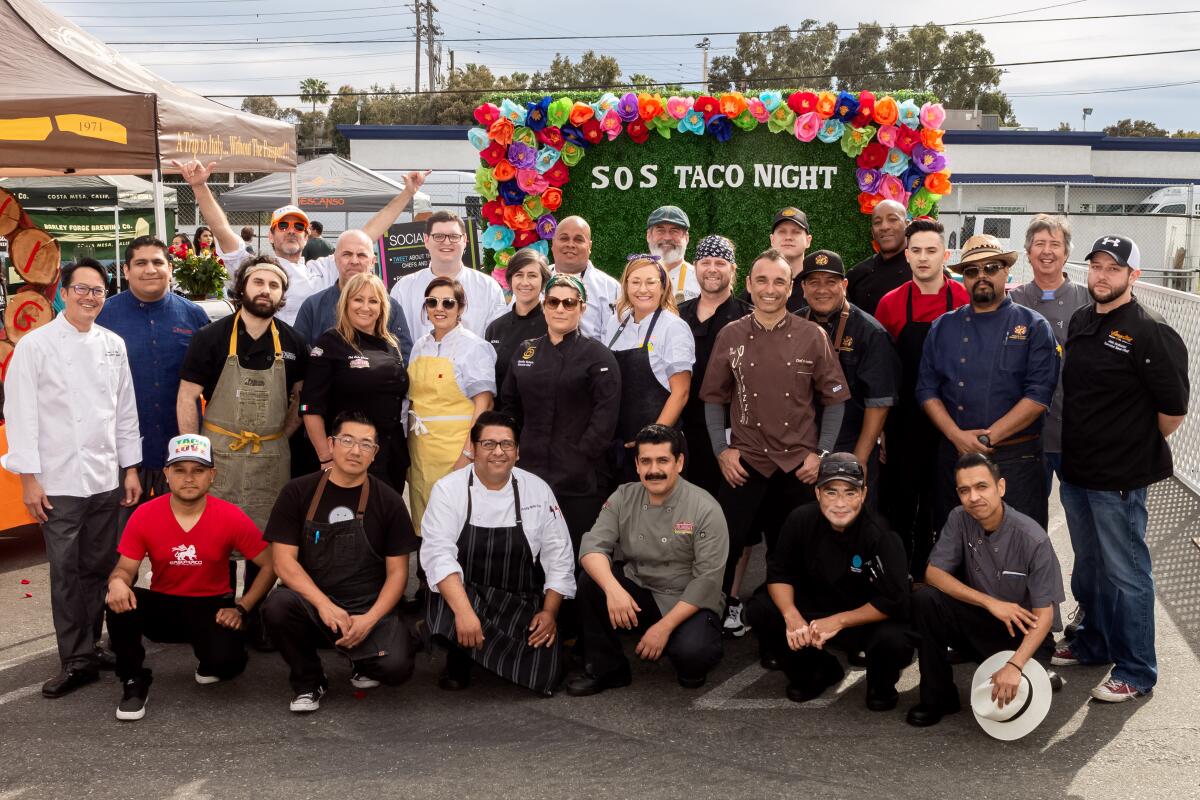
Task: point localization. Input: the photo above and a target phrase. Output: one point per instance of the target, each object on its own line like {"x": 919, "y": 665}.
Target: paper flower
{"x": 932, "y": 115}
{"x": 826, "y": 104}
{"x": 873, "y": 156}
{"x": 486, "y": 114}
{"x": 627, "y": 107}
{"x": 552, "y": 198}
{"x": 649, "y": 105}
{"x": 551, "y": 135}
{"x": 512, "y": 112}
{"x": 572, "y": 154}
{"x": 909, "y": 114}
{"x": 888, "y": 135}
{"x": 511, "y": 194}
{"x": 547, "y": 157}
{"x": 906, "y": 139}
{"x": 535, "y": 114}
{"x": 611, "y": 125}
{"x": 913, "y": 179}
{"x": 855, "y": 140}
{"x": 745, "y": 121}
{"x": 720, "y": 128}
{"x": 526, "y": 238}
{"x": 521, "y": 156}
{"x": 525, "y": 135}
{"x": 486, "y": 185}
{"x": 534, "y": 206}
{"x": 581, "y": 113}
{"x": 868, "y": 201}
{"x": 771, "y": 100}
{"x": 504, "y": 171}
{"x": 493, "y": 153}
{"x": 802, "y": 102}
{"x": 591, "y": 132}
{"x": 938, "y": 183}
{"x": 831, "y": 130}
{"x": 531, "y": 181}
{"x": 731, "y": 104}
{"x": 781, "y": 119}
{"x": 497, "y": 237}
{"x": 866, "y": 109}
{"x": 886, "y": 111}
{"x": 928, "y": 160}
{"x": 692, "y": 122}
{"x": 868, "y": 180}
{"x": 638, "y": 131}
{"x": 559, "y": 112}
{"x": 891, "y": 188}
{"x": 807, "y": 126}
{"x": 922, "y": 202}
{"x": 541, "y": 246}
{"x": 517, "y": 218}
{"x": 493, "y": 212}
{"x": 846, "y": 107}
{"x": 546, "y": 225}
{"x": 573, "y": 135}
{"x": 708, "y": 106}
{"x": 661, "y": 126}
{"x": 607, "y": 102}
{"x": 932, "y": 139}
{"x": 502, "y": 256}
{"x": 896, "y": 162}
{"x": 478, "y": 137}
{"x": 678, "y": 107}
{"x": 758, "y": 109}
{"x": 501, "y": 131}
{"x": 556, "y": 176}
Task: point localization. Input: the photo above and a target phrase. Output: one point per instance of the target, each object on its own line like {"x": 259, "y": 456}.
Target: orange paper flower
{"x": 517, "y": 218}
{"x": 932, "y": 139}
{"x": 581, "y": 113}
{"x": 867, "y": 202}
{"x": 732, "y": 104}
{"x": 501, "y": 131}
{"x": 826, "y": 104}
{"x": 938, "y": 183}
{"x": 504, "y": 171}
{"x": 552, "y": 198}
{"x": 649, "y": 105}
{"x": 886, "y": 111}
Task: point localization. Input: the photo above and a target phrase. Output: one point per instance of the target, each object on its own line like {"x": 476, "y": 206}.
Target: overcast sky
{"x": 1039, "y": 93}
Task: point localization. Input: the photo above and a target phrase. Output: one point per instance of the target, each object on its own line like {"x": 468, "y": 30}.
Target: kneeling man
{"x": 341, "y": 540}
{"x": 188, "y": 537}
{"x": 674, "y": 542}
{"x": 837, "y": 577}
{"x": 994, "y": 583}
{"x": 498, "y": 566}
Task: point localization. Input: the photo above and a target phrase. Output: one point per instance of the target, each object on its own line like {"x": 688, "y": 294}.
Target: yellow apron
{"x": 244, "y": 419}
{"x": 441, "y": 419}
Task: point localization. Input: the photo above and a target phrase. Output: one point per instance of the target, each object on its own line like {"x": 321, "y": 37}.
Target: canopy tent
{"x": 328, "y": 183}
{"x": 92, "y": 191}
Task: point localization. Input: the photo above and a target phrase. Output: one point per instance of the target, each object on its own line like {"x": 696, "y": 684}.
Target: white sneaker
{"x": 361, "y": 681}
{"x": 733, "y": 625}
{"x": 206, "y": 680}
{"x": 307, "y": 701}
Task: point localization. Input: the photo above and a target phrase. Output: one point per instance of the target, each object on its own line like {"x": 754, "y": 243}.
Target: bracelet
{"x": 1015, "y": 665}
{"x": 241, "y": 609}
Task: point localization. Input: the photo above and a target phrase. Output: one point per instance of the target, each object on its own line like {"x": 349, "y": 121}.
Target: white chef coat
{"x": 485, "y": 299}
{"x": 305, "y": 278}
{"x": 603, "y": 291}
{"x": 474, "y": 359}
{"x": 672, "y": 346}
{"x": 543, "y": 523}
{"x": 70, "y": 411}
{"x": 691, "y": 286}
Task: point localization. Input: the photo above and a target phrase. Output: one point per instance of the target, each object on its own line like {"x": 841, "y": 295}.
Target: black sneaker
{"x": 306, "y": 702}
{"x": 133, "y": 698}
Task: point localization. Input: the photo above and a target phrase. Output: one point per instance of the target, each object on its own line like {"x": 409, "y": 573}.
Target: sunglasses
{"x": 569, "y": 303}
{"x": 447, "y": 302}
{"x": 301, "y": 227}
{"x": 842, "y": 469}
{"x": 988, "y": 269}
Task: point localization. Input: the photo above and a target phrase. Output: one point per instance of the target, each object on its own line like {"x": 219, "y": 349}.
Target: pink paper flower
{"x": 808, "y": 125}
{"x": 757, "y": 109}
{"x": 932, "y": 115}
{"x": 678, "y": 107}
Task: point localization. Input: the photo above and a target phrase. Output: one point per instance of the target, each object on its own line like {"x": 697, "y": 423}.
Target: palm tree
{"x": 314, "y": 90}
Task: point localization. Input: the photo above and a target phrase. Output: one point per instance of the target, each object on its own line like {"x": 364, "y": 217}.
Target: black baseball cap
{"x": 1121, "y": 248}
{"x": 791, "y": 214}
{"x": 841, "y": 467}
{"x": 823, "y": 261}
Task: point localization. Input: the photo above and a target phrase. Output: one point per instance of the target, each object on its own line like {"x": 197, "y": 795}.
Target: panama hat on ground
{"x": 1027, "y": 709}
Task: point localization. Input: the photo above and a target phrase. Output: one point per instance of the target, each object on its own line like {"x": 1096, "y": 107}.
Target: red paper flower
{"x": 493, "y": 212}
{"x": 867, "y": 202}
{"x": 802, "y": 102}
{"x": 591, "y": 131}
{"x": 524, "y": 238}
{"x": 708, "y": 106}
{"x": 906, "y": 139}
{"x": 501, "y": 131}
{"x": 552, "y": 136}
{"x": 493, "y": 153}
{"x": 552, "y": 198}
{"x": 638, "y": 131}
{"x": 873, "y": 156}
{"x": 486, "y": 114}
{"x": 557, "y": 175}
{"x": 866, "y": 109}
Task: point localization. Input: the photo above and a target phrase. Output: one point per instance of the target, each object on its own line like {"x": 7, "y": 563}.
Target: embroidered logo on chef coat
{"x": 529, "y": 351}
{"x": 1121, "y": 342}
{"x": 359, "y": 362}
{"x": 685, "y": 527}
{"x": 185, "y": 331}
{"x": 847, "y": 344}
{"x": 856, "y": 564}
{"x": 316, "y": 351}
{"x": 1019, "y": 332}
{"x": 185, "y": 556}
{"x": 288, "y": 355}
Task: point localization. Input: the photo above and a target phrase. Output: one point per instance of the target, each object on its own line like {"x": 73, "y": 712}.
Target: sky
{"x": 161, "y": 37}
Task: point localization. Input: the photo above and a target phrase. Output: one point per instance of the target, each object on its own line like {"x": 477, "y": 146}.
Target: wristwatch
{"x": 241, "y": 609}
{"x": 822, "y": 453}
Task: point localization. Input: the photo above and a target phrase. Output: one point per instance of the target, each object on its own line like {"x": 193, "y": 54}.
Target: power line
{"x": 1112, "y": 89}
{"x": 276, "y": 16}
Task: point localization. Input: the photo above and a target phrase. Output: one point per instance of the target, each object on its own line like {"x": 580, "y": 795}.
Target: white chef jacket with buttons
{"x": 70, "y": 411}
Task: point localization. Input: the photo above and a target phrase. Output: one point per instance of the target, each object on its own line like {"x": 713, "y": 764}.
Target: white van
{"x": 1171, "y": 200}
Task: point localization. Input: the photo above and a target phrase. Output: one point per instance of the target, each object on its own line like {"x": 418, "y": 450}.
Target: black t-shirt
{"x": 317, "y": 248}
{"x": 209, "y": 347}
{"x": 386, "y": 522}
{"x": 833, "y": 572}
{"x": 1120, "y": 371}
{"x": 508, "y": 331}
{"x": 868, "y": 281}
{"x": 705, "y": 334}
{"x": 371, "y": 379}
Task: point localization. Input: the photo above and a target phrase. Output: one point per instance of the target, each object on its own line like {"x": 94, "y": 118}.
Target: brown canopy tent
{"x": 69, "y": 104}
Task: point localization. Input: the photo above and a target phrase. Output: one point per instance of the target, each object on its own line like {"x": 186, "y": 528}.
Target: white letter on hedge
{"x": 682, "y": 171}
{"x": 599, "y": 177}
{"x": 649, "y": 176}
{"x": 623, "y": 178}
{"x": 716, "y": 176}
{"x": 734, "y": 176}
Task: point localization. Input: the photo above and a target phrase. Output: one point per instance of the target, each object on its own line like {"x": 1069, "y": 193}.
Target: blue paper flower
{"x": 574, "y": 135}
{"x": 692, "y": 122}
{"x": 541, "y": 245}
{"x": 535, "y": 114}
{"x": 846, "y": 106}
{"x": 547, "y": 157}
{"x": 896, "y": 162}
{"x": 497, "y": 237}
{"x": 913, "y": 179}
{"x": 909, "y": 114}
{"x": 771, "y": 99}
{"x": 831, "y": 131}
{"x": 720, "y": 127}
{"x": 478, "y": 137}
{"x": 511, "y": 193}
{"x": 513, "y": 111}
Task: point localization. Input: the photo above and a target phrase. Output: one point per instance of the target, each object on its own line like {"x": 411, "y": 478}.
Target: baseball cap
{"x": 1119, "y": 247}
{"x": 288, "y": 211}
{"x": 823, "y": 261}
{"x": 190, "y": 447}
{"x": 840, "y": 467}
{"x": 791, "y": 214}
{"x": 670, "y": 215}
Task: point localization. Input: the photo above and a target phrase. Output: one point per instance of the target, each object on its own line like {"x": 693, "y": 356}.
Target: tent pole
{"x": 160, "y": 211}
{"x": 117, "y": 244}
{"x": 295, "y": 188}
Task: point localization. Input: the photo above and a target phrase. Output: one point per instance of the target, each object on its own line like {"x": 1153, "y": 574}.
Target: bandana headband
{"x": 569, "y": 281}
{"x": 715, "y": 247}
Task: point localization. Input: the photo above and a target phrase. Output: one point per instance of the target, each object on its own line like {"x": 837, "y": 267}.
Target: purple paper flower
{"x": 928, "y": 160}
{"x": 546, "y": 226}
{"x": 720, "y": 127}
{"x": 627, "y": 107}
{"x": 521, "y": 155}
{"x": 869, "y": 180}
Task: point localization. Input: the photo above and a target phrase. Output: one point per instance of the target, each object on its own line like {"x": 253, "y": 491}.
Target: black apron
{"x": 910, "y": 344}
{"x": 341, "y": 562}
{"x": 504, "y": 584}
{"x": 642, "y": 396}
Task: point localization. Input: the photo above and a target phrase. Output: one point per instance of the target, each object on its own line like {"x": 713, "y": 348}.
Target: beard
{"x": 1107, "y": 294}
{"x": 669, "y": 253}
{"x": 983, "y": 292}
{"x": 262, "y": 306}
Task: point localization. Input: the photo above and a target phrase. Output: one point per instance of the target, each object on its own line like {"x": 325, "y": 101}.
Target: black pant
{"x": 941, "y": 622}
{"x": 908, "y": 486}
{"x": 298, "y": 635}
{"x": 1024, "y": 471}
{"x": 760, "y": 504}
{"x": 887, "y": 644}
{"x": 172, "y": 619}
{"x": 702, "y": 467}
{"x": 694, "y": 647}
{"x": 580, "y": 515}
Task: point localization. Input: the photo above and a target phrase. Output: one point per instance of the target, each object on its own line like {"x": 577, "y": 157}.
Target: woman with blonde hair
{"x": 357, "y": 366}
{"x": 654, "y": 349}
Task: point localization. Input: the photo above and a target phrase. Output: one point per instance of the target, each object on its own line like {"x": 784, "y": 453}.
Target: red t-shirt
{"x": 892, "y": 312}
{"x": 194, "y": 563}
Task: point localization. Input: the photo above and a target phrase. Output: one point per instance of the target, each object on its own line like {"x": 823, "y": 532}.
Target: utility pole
{"x": 703, "y": 46}
{"x": 430, "y": 44}
{"x": 417, "y": 52}
{"x": 452, "y": 62}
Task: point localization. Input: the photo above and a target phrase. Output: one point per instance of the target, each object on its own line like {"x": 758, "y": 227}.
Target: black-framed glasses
{"x": 991, "y": 269}
{"x": 83, "y": 290}
{"x": 284, "y": 225}
{"x": 448, "y": 303}
{"x": 442, "y": 238}
{"x": 569, "y": 303}
{"x": 350, "y": 443}
{"x": 488, "y": 445}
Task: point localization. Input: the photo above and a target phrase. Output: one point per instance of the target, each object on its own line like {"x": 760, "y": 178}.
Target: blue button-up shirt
{"x": 156, "y": 335}
{"x": 981, "y": 365}
{"x": 319, "y": 314}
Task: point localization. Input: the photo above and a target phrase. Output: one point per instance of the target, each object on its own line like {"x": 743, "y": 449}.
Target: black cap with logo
{"x": 823, "y": 261}
{"x": 791, "y": 214}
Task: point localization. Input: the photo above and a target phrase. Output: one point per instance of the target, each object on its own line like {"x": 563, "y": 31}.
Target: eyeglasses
{"x": 649, "y": 283}
{"x": 350, "y": 443}
{"x": 488, "y": 445}
{"x": 82, "y": 290}
{"x": 972, "y": 272}
{"x": 442, "y": 238}
{"x": 569, "y": 303}
{"x": 447, "y": 302}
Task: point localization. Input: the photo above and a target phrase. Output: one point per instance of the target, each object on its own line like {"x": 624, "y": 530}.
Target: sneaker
{"x": 733, "y": 627}
{"x": 133, "y": 699}
{"x": 361, "y": 681}
{"x": 1056, "y": 681}
{"x": 307, "y": 701}
{"x": 1115, "y": 690}
{"x": 1076, "y": 618}
{"x": 206, "y": 680}
{"x": 1064, "y": 656}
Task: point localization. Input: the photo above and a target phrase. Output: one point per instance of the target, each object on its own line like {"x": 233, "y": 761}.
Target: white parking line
{"x": 724, "y": 697}
{"x": 19, "y": 660}
{"x": 18, "y": 694}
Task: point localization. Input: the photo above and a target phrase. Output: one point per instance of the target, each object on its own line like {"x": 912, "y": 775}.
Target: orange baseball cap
{"x": 288, "y": 211}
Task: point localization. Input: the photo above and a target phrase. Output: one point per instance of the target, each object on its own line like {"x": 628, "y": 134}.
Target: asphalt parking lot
{"x": 737, "y": 737}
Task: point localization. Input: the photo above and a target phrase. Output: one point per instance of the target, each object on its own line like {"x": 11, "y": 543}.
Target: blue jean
{"x": 1112, "y": 581}
{"x": 1053, "y": 463}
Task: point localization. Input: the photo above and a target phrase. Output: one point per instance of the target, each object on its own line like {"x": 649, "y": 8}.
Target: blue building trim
{"x": 1031, "y": 177}
{"x": 1093, "y": 139}
{"x": 406, "y": 132}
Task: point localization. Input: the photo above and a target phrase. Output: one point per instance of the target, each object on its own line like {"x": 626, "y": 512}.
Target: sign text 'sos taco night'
{"x": 729, "y": 160}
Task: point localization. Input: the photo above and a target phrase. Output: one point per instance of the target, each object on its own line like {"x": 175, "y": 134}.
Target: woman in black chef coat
{"x": 527, "y": 274}
{"x": 564, "y": 390}
{"x": 357, "y": 366}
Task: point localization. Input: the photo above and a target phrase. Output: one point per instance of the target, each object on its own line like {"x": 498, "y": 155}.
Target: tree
{"x": 1064, "y": 126}
{"x": 314, "y": 90}
{"x": 263, "y": 106}
{"x": 777, "y": 58}
{"x": 1135, "y": 127}
{"x": 1182, "y": 134}
{"x": 592, "y": 70}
